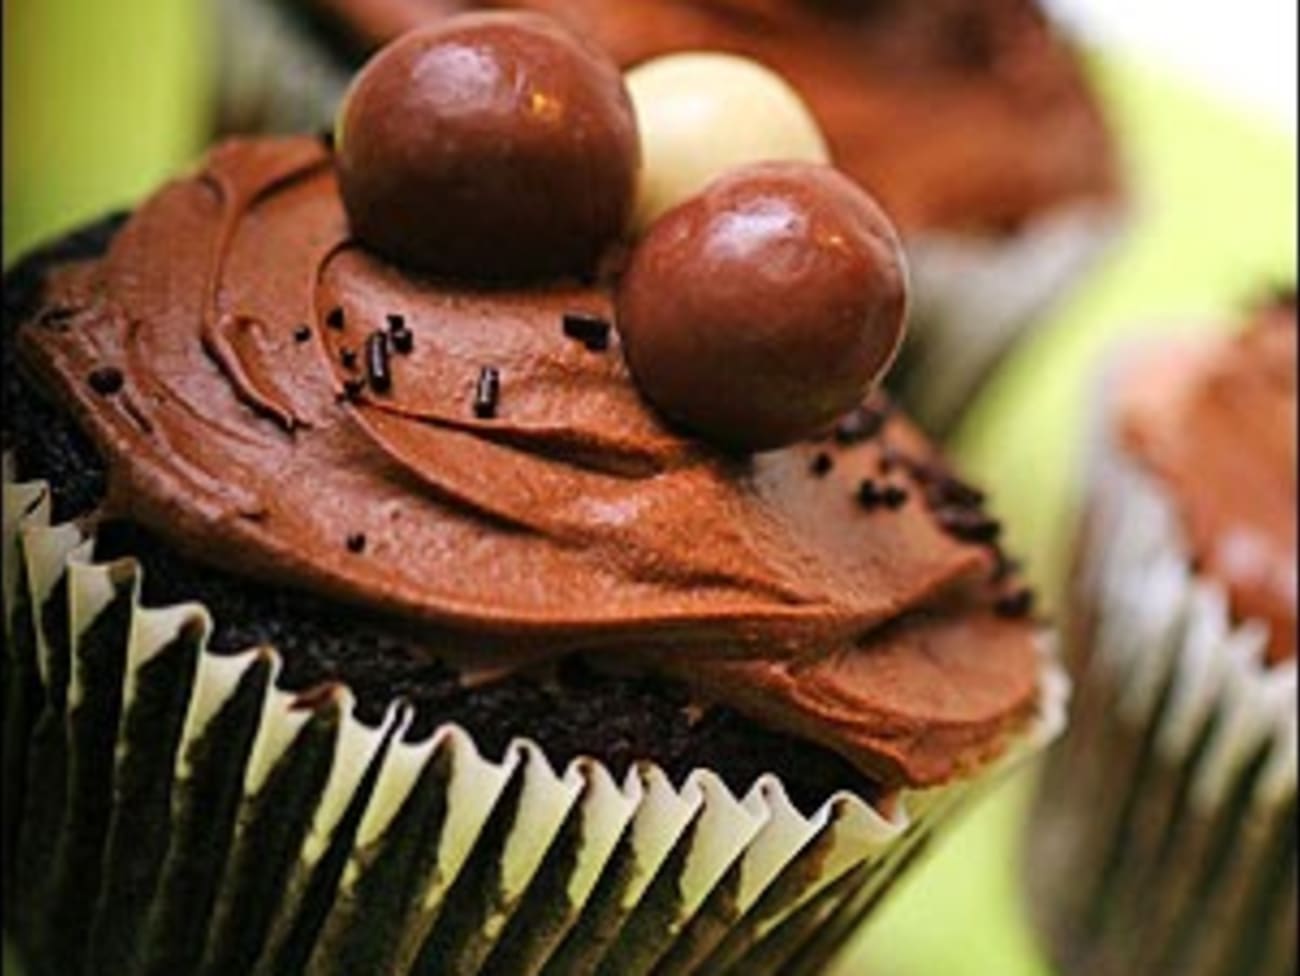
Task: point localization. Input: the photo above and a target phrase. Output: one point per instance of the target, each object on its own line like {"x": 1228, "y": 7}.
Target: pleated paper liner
{"x": 273, "y": 75}
{"x": 973, "y": 296}
{"x": 231, "y": 827}
{"x": 1165, "y": 836}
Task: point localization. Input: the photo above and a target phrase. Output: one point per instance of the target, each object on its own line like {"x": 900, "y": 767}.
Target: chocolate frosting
{"x": 1216, "y": 422}
{"x": 962, "y": 114}
{"x": 251, "y": 430}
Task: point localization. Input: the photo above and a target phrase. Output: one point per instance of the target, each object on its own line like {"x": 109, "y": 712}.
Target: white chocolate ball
{"x": 702, "y": 114}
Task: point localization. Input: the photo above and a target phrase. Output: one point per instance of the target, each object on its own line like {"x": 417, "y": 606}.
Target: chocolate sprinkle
{"x": 381, "y": 380}
{"x": 591, "y": 330}
{"x": 302, "y": 333}
{"x": 487, "y": 392}
{"x": 335, "y": 318}
{"x": 821, "y": 464}
{"x": 1019, "y": 603}
{"x": 944, "y": 489}
{"x": 969, "y": 525}
{"x": 1004, "y": 567}
{"x": 893, "y": 496}
{"x": 106, "y": 380}
{"x": 956, "y": 505}
{"x": 348, "y": 357}
{"x": 403, "y": 340}
{"x": 352, "y": 387}
{"x": 860, "y": 425}
{"x": 869, "y": 495}
{"x": 357, "y": 542}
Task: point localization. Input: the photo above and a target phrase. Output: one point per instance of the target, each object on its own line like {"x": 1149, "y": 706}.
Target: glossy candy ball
{"x": 757, "y": 312}
{"x": 489, "y": 146}
{"x": 702, "y": 114}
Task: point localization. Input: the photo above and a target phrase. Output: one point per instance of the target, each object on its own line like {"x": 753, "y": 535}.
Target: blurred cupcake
{"x": 375, "y": 605}
{"x": 1165, "y": 834}
{"x": 970, "y": 121}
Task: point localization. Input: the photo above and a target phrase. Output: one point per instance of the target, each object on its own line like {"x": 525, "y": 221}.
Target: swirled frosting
{"x": 1216, "y": 422}
{"x": 968, "y": 115}
{"x": 232, "y": 314}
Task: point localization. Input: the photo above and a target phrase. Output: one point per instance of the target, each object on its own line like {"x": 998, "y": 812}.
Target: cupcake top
{"x": 471, "y": 456}
{"x": 1215, "y": 421}
{"x": 969, "y": 115}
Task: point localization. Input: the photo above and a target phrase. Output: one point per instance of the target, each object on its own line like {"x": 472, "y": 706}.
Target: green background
{"x": 104, "y": 100}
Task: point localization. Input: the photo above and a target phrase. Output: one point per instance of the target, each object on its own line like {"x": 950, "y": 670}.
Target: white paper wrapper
{"x": 233, "y": 827}
{"x": 972, "y": 296}
{"x": 272, "y": 75}
{"x": 1165, "y": 839}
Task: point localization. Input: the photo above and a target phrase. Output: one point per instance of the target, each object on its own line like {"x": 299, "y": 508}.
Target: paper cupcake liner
{"x": 973, "y": 296}
{"x": 273, "y": 76}
{"x": 233, "y": 827}
{"x": 1164, "y": 840}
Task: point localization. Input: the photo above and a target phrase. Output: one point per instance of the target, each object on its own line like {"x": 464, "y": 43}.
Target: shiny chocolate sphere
{"x": 488, "y": 146}
{"x": 758, "y": 311}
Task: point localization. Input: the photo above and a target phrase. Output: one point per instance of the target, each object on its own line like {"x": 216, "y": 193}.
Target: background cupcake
{"x": 971, "y": 122}
{"x": 365, "y": 615}
{"x": 1164, "y": 841}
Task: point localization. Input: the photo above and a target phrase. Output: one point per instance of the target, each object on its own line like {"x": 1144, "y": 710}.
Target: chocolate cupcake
{"x": 1164, "y": 840}
{"x": 970, "y": 121}
{"x": 393, "y": 603}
